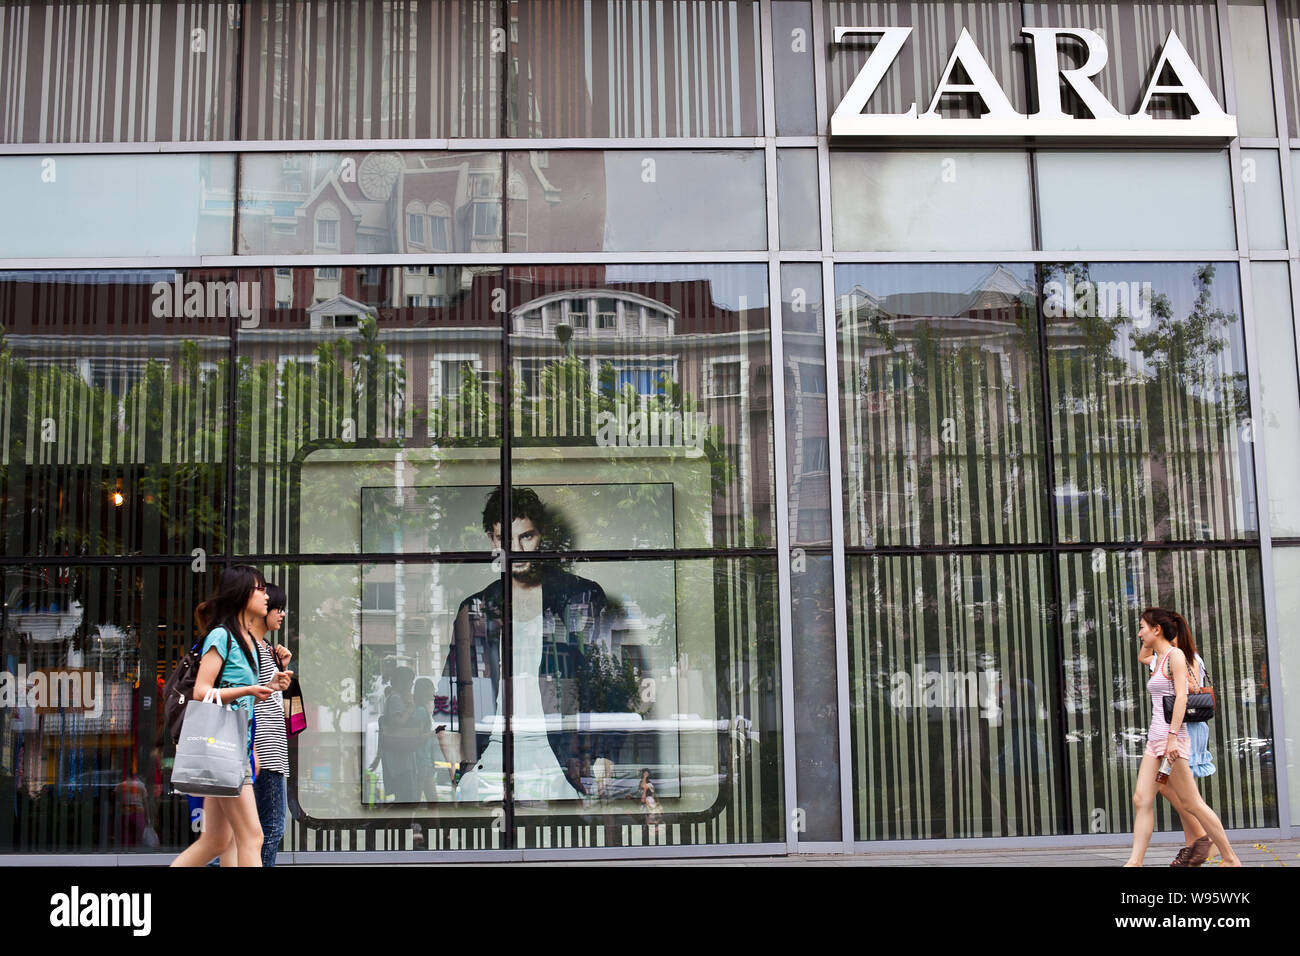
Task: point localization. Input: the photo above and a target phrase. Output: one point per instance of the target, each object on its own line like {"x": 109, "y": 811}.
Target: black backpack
{"x": 179, "y": 689}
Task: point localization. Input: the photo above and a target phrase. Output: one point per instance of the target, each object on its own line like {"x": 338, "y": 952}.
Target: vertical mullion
{"x": 779, "y": 466}
{"x": 833, "y": 431}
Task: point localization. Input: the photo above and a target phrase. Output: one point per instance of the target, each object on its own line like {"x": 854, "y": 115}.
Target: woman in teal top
{"x": 240, "y": 599}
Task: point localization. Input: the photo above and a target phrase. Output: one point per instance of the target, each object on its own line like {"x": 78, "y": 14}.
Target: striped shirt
{"x": 272, "y": 743}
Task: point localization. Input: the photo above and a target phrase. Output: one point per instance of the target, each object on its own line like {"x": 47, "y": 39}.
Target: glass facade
{"x": 645, "y": 466}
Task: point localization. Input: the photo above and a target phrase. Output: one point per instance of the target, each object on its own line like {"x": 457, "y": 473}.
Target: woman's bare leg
{"x": 1144, "y": 805}
{"x": 1192, "y": 829}
{"x": 214, "y": 837}
{"x": 242, "y": 814}
{"x": 1185, "y": 785}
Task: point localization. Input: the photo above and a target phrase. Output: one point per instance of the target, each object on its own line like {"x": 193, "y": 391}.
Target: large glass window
{"x": 113, "y": 410}
{"x": 114, "y": 205}
{"x": 1108, "y": 708}
{"x": 82, "y": 651}
{"x": 1279, "y": 397}
{"x": 369, "y": 202}
{"x": 1286, "y": 571}
{"x": 1135, "y": 200}
{"x": 942, "y": 405}
{"x": 954, "y": 697}
{"x": 930, "y": 201}
{"x": 367, "y": 422}
{"x": 640, "y": 68}
{"x": 656, "y": 428}
{"x": 133, "y": 72}
{"x": 371, "y": 70}
{"x": 994, "y": 26}
{"x": 1135, "y": 33}
{"x": 1261, "y": 182}
{"x": 1248, "y": 26}
{"x": 638, "y": 201}
{"x": 1151, "y": 439}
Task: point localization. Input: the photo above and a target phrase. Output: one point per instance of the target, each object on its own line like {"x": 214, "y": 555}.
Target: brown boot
{"x": 1200, "y": 851}
{"x": 1184, "y": 854}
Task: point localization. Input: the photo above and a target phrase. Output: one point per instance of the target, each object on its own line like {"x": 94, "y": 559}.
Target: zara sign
{"x": 1000, "y": 119}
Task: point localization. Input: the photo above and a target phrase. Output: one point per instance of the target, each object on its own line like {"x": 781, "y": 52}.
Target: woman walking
{"x": 1168, "y": 745}
{"x": 228, "y": 665}
{"x": 1196, "y": 844}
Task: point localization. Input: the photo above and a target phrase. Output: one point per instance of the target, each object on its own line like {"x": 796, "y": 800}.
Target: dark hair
{"x": 423, "y": 691}
{"x": 226, "y": 605}
{"x": 1175, "y": 629}
{"x": 276, "y": 599}
{"x": 524, "y": 503}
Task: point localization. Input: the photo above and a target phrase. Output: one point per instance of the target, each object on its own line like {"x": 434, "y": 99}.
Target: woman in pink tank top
{"x": 1157, "y": 631}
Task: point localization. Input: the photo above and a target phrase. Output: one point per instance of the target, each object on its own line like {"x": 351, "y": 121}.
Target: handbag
{"x": 1200, "y": 704}
{"x": 295, "y": 715}
{"x": 212, "y": 754}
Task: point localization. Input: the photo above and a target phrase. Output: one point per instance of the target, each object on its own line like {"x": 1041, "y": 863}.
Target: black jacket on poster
{"x": 573, "y": 618}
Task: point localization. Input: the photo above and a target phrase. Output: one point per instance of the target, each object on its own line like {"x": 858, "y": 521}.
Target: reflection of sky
{"x": 132, "y": 205}
{"x": 728, "y": 282}
{"x": 1176, "y": 281}
{"x": 698, "y": 200}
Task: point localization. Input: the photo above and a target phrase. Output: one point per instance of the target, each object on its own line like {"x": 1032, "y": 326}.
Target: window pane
{"x": 1135, "y": 200}
{"x": 384, "y": 722}
{"x": 369, "y": 202}
{"x": 807, "y": 427}
{"x": 1248, "y": 26}
{"x": 954, "y": 697}
{"x": 994, "y": 26}
{"x": 940, "y": 391}
{"x": 792, "y": 49}
{"x": 640, "y": 201}
{"x": 1262, "y": 183}
{"x": 798, "y": 199}
{"x": 1135, "y": 33}
{"x": 816, "y": 703}
{"x": 1286, "y": 571}
{"x": 929, "y": 201}
{"x": 119, "y": 206}
{"x": 1288, "y": 14}
{"x": 83, "y": 768}
{"x": 654, "y": 432}
{"x": 1146, "y": 367}
{"x": 1108, "y": 708}
{"x": 1278, "y": 397}
{"x": 113, "y": 397}
{"x": 366, "y": 424}
{"x": 644, "y": 68}
{"x": 627, "y": 667}
{"x": 123, "y": 72}
{"x": 371, "y": 69}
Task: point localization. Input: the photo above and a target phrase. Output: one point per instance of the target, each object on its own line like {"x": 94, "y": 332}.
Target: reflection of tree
{"x": 965, "y": 393}
{"x": 606, "y": 684}
{"x": 160, "y": 443}
{"x": 1144, "y": 410}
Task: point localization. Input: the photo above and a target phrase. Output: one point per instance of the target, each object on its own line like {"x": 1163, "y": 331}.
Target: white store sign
{"x": 1001, "y": 121}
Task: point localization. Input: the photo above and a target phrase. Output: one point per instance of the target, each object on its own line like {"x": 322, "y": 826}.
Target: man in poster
{"x": 558, "y": 618}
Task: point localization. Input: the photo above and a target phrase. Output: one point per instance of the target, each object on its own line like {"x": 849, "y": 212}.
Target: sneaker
{"x": 1184, "y": 854}
{"x": 1200, "y": 851}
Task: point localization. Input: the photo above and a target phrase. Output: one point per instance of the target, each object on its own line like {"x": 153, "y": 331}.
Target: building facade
{"x": 874, "y": 364}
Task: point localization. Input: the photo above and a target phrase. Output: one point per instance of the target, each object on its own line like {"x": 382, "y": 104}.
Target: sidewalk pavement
{"x": 1275, "y": 853}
